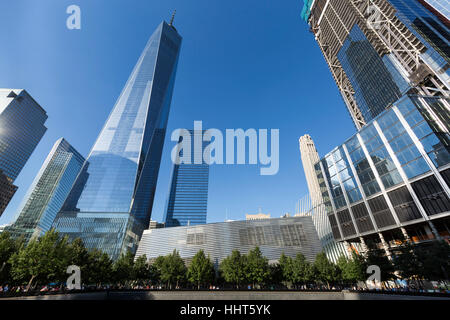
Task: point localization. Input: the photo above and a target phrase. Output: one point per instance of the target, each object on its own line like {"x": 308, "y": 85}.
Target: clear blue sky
{"x": 243, "y": 64}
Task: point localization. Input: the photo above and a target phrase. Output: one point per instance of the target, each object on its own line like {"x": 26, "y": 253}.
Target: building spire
{"x": 173, "y": 17}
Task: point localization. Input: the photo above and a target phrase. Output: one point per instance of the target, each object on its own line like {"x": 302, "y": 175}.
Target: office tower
{"x": 390, "y": 182}
{"x": 188, "y": 197}
{"x": 273, "y": 236}
{"x": 314, "y": 203}
{"x": 379, "y": 50}
{"x": 7, "y": 191}
{"x": 111, "y": 201}
{"x": 21, "y": 128}
{"x": 309, "y": 156}
{"x": 441, "y": 8}
{"x": 48, "y": 191}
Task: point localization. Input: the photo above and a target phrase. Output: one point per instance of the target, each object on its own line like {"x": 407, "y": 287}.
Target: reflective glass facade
{"x": 218, "y": 240}
{"x": 378, "y": 51}
{"x": 21, "y": 128}
{"x": 48, "y": 191}
{"x": 7, "y": 191}
{"x": 392, "y": 172}
{"x": 370, "y": 74}
{"x": 431, "y": 31}
{"x": 110, "y": 203}
{"x": 187, "y": 203}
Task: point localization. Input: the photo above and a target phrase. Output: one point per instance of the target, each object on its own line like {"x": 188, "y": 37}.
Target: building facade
{"x": 187, "y": 203}
{"x": 257, "y": 216}
{"x": 313, "y": 204}
{"x": 309, "y": 157}
{"x": 48, "y": 191}
{"x": 378, "y": 50}
{"x": 218, "y": 240}
{"x": 389, "y": 183}
{"x": 21, "y": 128}
{"x": 7, "y": 191}
{"x": 111, "y": 201}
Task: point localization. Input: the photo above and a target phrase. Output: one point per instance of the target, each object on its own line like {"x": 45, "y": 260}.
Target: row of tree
{"x": 46, "y": 259}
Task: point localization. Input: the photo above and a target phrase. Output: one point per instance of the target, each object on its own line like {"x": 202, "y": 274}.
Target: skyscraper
{"x": 48, "y": 191}
{"x": 21, "y": 128}
{"x": 378, "y": 50}
{"x": 390, "y": 183}
{"x": 310, "y": 156}
{"x": 317, "y": 199}
{"x": 188, "y": 197}
{"x": 111, "y": 201}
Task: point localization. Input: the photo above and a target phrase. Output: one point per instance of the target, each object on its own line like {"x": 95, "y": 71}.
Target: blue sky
{"x": 243, "y": 64}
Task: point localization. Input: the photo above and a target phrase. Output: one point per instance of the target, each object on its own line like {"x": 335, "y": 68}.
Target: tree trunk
{"x": 30, "y": 282}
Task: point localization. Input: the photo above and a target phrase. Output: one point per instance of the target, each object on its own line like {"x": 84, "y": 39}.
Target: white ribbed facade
{"x": 273, "y": 236}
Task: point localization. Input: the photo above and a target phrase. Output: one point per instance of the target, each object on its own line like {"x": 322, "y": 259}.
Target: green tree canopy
{"x": 173, "y": 269}
{"x": 326, "y": 271}
{"x": 257, "y": 267}
{"x": 141, "y": 270}
{"x": 354, "y": 269}
{"x": 201, "y": 270}
{"x": 286, "y": 266}
{"x": 123, "y": 268}
{"x": 44, "y": 259}
{"x": 233, "y": 268}
{"x": 302, "y": 270}
{"x": 99, "y": 268}
{"x": 8, "y": 246}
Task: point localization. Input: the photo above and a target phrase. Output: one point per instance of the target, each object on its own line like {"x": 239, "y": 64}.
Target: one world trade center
{"x": 111, "y": 200}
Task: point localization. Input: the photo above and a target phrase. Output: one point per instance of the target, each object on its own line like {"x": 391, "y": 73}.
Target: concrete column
{"x": 363, "y": 245}
{"x": 348, "y": 249}
{"x": 385, "y": 246}
{"x": 405, "y": 234}
{"x": 434, "y": 230}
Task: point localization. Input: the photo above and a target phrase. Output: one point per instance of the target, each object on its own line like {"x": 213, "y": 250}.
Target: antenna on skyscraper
{"x": 173, "y": 17}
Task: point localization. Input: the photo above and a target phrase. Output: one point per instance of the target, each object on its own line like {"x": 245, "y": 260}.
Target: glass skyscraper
{"x": 188, "y": 197}
{"x": 390, "y": 183}
{"x": 48, "y": 191}
{"x": 379, "y": 50}
{"x": 21, "y": 128}
{"x": 111, "y": 201}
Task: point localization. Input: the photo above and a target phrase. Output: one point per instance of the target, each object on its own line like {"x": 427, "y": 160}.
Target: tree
{"x": 201, "y": 270}
{"x": 44, "y": 259}
{"x": 257, "y": 267}
{"x": 79, "y": 256}
{"x": 8, "y": 246}
{"x": 233, "y": 268}
{"x": 285, "y": 263}
{"x": 326, "y": 271}
{"x": 123, "y": 268}
{"x": 352, "y": 270}
{"x": 156, "y": 269}
{"x": 434, "y": 260}
{"x": 276, "y": 273}
{"x": 141, "y": 270}
{"x": 173, "y": 269}
{"x": 99, "y": 268}
{"x": 301, "y": 270}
